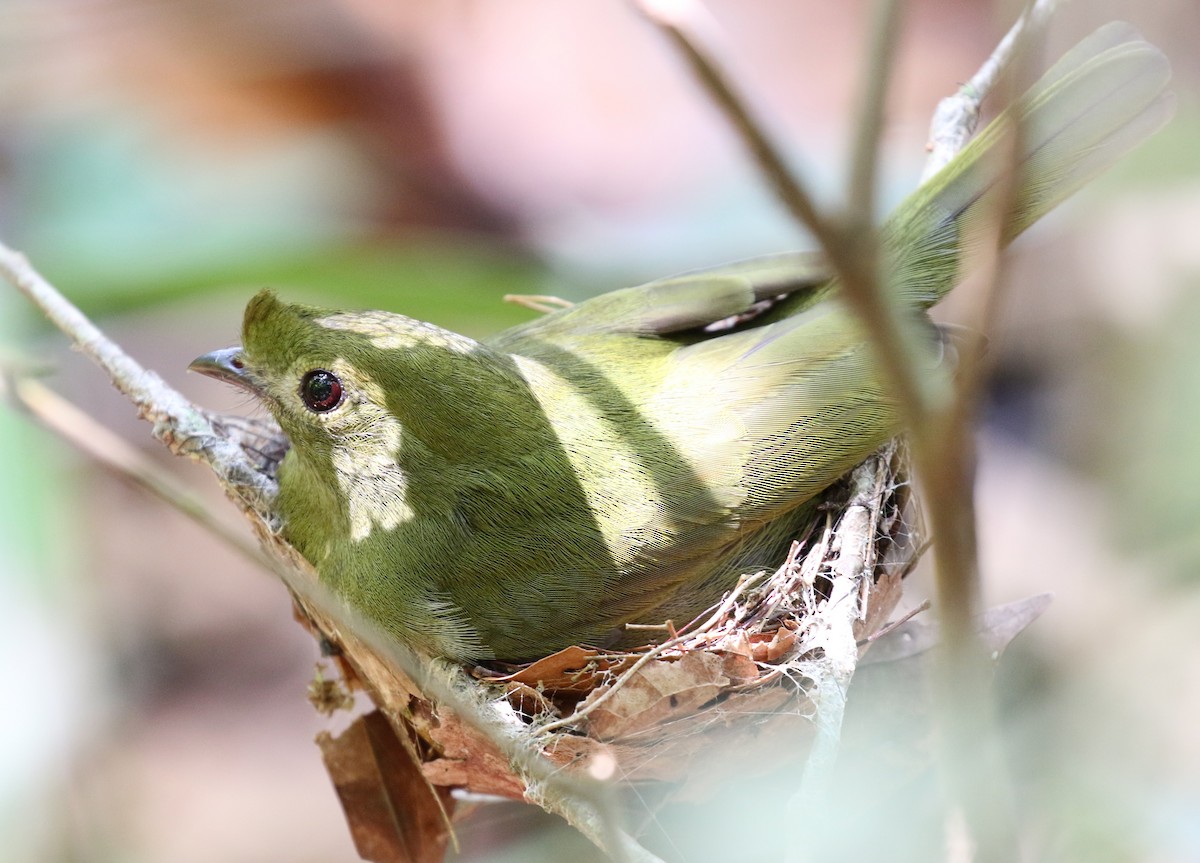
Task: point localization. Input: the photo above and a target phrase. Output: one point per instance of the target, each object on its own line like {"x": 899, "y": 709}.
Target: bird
{"x": 625, "y": 459}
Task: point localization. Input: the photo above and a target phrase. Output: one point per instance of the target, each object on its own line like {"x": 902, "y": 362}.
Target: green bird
{"x": 625, "y": 459}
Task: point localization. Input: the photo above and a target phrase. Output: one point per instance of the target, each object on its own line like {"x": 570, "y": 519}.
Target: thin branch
{"x": 693, "y": 32}
{"x": 896, "y": 624}
{"x": 945, "y": 460}
{"x": 115, "y": 453}
{"x": 955, "y": 118}
{"x": 968, "y": 747}
{"x": 852, "y": 247}
{"x": 177, "y": 422}
{"x": 596, "y": 825}
{"x": 835, "y": 645}
{"x": 881, "y": 53}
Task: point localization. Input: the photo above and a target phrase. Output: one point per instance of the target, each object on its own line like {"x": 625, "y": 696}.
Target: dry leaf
{"x": 658, "y": 692}
{"x": 572, "y": 669}
{"x": 395, "y": 815}
{"x": 739, "y": 667}
{"x": 773, "y": 646}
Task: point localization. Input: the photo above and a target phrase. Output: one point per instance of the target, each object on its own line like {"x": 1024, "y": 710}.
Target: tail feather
{"x": 1100, "y": 101}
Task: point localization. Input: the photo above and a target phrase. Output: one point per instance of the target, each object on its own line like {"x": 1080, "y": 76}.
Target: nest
{"x": 754, "y": 668}
{"x": 762, "y": 652}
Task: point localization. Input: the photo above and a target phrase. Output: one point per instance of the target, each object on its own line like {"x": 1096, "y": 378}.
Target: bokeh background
{"x": 161, "y": 160}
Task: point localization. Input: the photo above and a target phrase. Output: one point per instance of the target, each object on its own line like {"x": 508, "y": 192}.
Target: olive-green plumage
{"x": 621, "y": 460}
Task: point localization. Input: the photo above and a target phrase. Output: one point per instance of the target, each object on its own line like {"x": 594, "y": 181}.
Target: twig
{"x": 955, "y": 117}
{"x": 852, "y": 248}
{"x": 126, "y": 461}
{"x": 583, "y": 803}
{"x": 177, "y": 423}
{"x": 896, "y": 624}
{"x": 835, "y": 645}
{"x": 967, "y": 743}
{"x": 687, "y": 24}
{"x": 880, "y": 58}
{"x": 597, "y": 826}
{"x": 968, "y": 747}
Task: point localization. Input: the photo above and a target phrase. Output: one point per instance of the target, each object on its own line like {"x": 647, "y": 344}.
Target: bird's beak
{"x": 225, "y": 365}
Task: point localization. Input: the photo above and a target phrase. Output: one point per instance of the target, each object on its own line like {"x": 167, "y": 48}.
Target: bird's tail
{"x": 1100, "y": 101}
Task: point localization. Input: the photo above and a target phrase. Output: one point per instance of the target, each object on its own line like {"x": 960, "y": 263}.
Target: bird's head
{"x": 333, "y": 379}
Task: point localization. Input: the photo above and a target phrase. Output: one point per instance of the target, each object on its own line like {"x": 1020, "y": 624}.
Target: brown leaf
{"x": 737, "y": 642}
{"x": 572, "y": 669}
{"x": 771, "y": 647}
{"x": 658, "y": 692}
{"x": 739, "y": 667}
{"x": 527, "y": 701}
{"x": 395, "y": 816}
{"x": 751, "y": 730}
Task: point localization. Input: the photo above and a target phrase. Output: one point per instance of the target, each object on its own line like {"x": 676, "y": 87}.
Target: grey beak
{"x": 225, "y": 365}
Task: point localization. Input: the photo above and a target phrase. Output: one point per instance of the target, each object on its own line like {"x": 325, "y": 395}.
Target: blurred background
{"x": 161, "y": 160}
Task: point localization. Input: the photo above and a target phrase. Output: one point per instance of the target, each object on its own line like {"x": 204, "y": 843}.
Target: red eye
{"x": 321, "y": 391}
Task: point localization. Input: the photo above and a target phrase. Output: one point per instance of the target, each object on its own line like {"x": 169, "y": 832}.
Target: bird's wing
{"x": 772, "y": 415}
{"x": 689, "y": 301}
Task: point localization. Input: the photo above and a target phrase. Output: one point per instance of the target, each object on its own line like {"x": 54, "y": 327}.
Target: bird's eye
{"x": 321, "y": 391}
